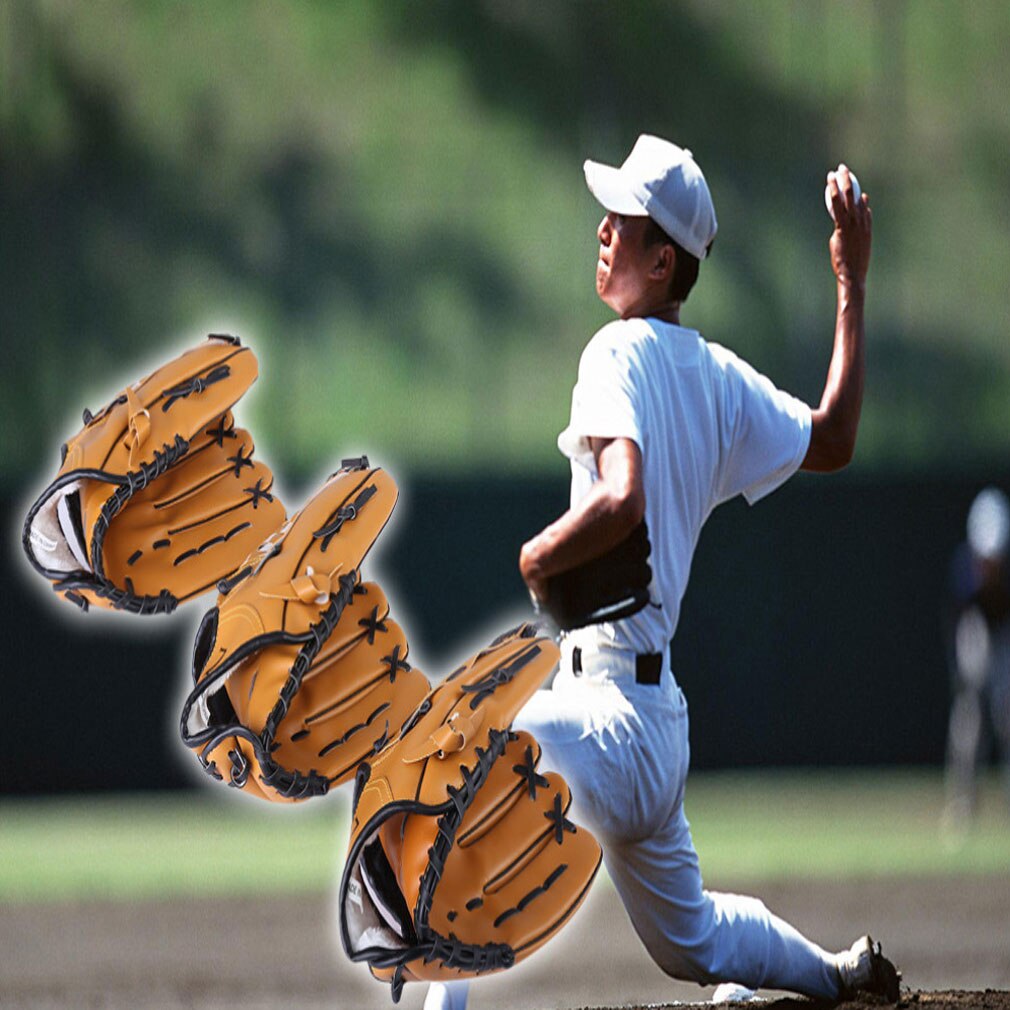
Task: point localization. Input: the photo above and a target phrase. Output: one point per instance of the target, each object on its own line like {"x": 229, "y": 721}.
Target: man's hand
{"x": 850, "y": 241}
{"x": 536, "y": 581}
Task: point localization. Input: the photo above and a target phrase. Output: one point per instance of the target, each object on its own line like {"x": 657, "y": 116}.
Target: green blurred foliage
{"x": 385, "y": 200}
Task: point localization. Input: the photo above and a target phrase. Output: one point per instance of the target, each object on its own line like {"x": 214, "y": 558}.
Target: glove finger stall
{"x": 157, "y": 497}
{"x": 299, "y": 667}
{"x": 462, "y": 859}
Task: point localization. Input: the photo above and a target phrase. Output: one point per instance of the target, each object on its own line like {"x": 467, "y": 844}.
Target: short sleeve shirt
{"x": 709, "y": 427}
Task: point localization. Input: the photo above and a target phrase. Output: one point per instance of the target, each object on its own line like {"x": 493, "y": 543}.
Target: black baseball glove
{"x": 606, "y": 588}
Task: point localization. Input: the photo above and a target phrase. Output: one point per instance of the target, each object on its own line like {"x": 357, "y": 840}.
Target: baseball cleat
{"x": 734, "y": 992}
{"x": 863, "y": 968}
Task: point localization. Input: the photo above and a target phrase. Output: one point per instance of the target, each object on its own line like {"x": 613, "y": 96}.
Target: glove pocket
{"x": 516, "y": 876}
{"x": 335, "y": 736}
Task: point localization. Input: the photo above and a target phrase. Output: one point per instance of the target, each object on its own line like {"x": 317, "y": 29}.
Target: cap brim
{"x": 612, "y": 190}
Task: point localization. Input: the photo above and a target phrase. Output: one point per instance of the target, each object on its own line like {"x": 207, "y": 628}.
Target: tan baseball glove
{"x": 299, "y": 672}
{"x": 462, "y": 859}
{"x": 158, "y": 496}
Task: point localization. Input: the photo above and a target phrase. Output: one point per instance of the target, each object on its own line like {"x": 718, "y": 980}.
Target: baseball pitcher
{"x": 664, "y": 427}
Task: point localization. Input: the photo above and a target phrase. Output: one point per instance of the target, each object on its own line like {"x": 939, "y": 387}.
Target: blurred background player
{"x": 978, "y": 648}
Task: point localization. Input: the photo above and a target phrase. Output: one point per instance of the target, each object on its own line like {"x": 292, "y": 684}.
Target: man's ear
{"x": 663, "y": 263}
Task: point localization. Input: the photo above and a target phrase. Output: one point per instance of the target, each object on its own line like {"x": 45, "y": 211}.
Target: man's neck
{"x": 667, "y": 312}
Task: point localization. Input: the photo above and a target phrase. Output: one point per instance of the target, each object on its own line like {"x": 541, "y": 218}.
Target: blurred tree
{"x": 385, "y": 200}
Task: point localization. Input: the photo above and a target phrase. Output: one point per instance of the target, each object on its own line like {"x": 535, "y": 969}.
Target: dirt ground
{"x": 951, "y": 938}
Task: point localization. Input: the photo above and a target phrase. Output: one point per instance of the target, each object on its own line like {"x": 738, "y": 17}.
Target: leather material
{"x": 476, "y": 838}
{"x": 299, "y": 672}
{"x": 159, "y": 490}
{"x": 607, "y": 588}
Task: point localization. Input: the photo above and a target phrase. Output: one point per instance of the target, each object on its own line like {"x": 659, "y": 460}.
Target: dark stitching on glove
{"x": 448, "y": 824}
{"x": 361, "y": 777}
{"x": 395, "y": 664}
{"x": 225, "y": 586}
{"x": 127, "y": 599}
{"x": 528, "y": 770}
{"x": 499, "y": 675}
{"x": 381, "y": 740}
{"x": 292, "y": 784}
{"x": 474, "y": 903}
{"x": 346, "y": 513}
{"x": 354, "y": 729}
{"x": 257, "y": 493}
{"x": 412, "y": 720}
{"x": 220, "y": 433}
{"x": 373, "y": 623}
{"x": 534, "y": 894}
{"x": 134, "y": 557}
{"x": 210, "y": 543}
{"x": 195, "y": 385}
{"x": 557, "y": 818}
{"x": 239, "y": 769}
{"x": 240, "y": 461}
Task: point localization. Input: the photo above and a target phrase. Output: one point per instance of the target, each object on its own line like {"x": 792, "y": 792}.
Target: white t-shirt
{"x": 709, "y": 427}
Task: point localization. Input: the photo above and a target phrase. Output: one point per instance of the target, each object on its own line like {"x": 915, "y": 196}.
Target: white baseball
{"x": 856, "y": 191}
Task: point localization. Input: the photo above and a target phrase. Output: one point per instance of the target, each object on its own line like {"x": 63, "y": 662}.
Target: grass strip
{"x": 842, "y": 824}
{"x": 127, "y": 846}
{"x": 747, "y": 827}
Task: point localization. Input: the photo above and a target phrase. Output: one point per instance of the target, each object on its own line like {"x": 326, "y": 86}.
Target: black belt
{"x": 648, "y": 666}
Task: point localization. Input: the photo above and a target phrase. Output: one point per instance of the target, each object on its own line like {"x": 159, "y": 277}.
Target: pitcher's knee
{"x": 723, "y": 939}
{"x": 687, "y": 952}
{"x": 687, "y": 964}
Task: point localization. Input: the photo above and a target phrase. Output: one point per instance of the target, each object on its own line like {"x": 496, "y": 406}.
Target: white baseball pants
{"x": 623, "y": 748}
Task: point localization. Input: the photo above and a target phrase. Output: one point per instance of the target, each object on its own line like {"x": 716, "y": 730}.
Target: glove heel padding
{"x": 453, "y": 822}
{"x": 606, "y": 588}
{"x": 158, "y": 496}
{"x": 299, "y": 672}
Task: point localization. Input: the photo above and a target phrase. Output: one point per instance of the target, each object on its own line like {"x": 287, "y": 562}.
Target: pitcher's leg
{"x": 709, "y": 937}
{"x": 447, "y": 995}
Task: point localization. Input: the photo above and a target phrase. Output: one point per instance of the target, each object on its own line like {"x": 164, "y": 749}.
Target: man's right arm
{"x": 611, "y": 510}
{"x": 836, "y": 421}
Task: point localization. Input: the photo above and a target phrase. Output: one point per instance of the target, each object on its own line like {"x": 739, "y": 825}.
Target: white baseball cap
{"x": 663, "y": 181}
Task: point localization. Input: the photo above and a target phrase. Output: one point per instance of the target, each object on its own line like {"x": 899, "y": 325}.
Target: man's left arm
{"x": 613, "y": 508}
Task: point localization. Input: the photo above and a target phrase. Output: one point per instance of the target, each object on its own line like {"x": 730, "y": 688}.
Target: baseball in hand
{"x": 856, "y": 191}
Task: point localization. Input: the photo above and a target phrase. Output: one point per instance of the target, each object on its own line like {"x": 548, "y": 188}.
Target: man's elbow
{"x": 830, "y": 450}
{"x": 841, "y": 456}
{"x": 629, "y": 505}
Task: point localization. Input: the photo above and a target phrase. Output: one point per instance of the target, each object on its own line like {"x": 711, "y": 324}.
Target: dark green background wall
{"x": 810, "y": 632}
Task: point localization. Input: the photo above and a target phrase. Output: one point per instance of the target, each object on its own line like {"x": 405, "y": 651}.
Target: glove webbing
{"x": 129, "y": 484}
{"x": 290, "y": 784}
{"x": 431, "y": 945}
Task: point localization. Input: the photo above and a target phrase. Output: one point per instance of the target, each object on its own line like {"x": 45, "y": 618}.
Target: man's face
{"x": 622, "y": 270}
